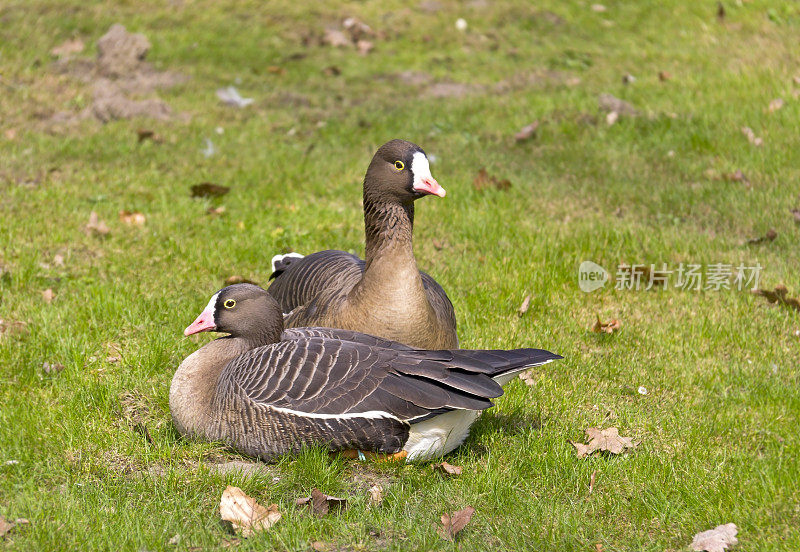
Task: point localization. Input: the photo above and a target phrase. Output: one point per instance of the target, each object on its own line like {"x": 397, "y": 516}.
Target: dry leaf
{"x": 276, "y": 70}
{"x": 599, "y": 8}
{"x": 58, "y": 259}
{"x": 720, "y": 11}
{"x": 332, "y": 71}
{"x": 591, "y": 481}
{"x": 610, "y": 103}
{"x": 751, "y": 136}
{"x": 527, "y": 377}
{"x": 113, "y": 353}
{"x": 612, "y": 117}
{"x": 216, "y": 211}
{"x": 796, "y": 214}
{"x": 10, "y": 133}
{"x": 132, "y": 218}
{"x": 523, "y": 308}
{"x": 484, "y": 181}
{"x": 453, "y": 523}
{"x": 717, "y": 539}
{"x": 364, "y": 47}
{"x": 336, "y": 38}
{"x": 775, "y": 105}
{"x": 321, "y": 503}
{"x": 664, "y": 76}
{"x": 609, "y": 327}
{"x": 628, "y": 79}
{"x": 245, "y": 514}
{"x": 5, "y": 526}
{"x": 375, "y": 495}
{"x": 96, "y": 226}
{"x": 527, "y": 132}
{"x": 144, "y": 134}
{"x": 47, "y": 295}
{"x": 52, "y": 369}
{"x": 779, "y": 295}
{"x": 13, "y": 328}
{"x": 768, "y": 237}
{"x": 72, "y": 46}
{"x": 736, "y": 176}
{"x": 320, "y": 546}
{"x": 448, "y": 469}
{"x": 604, "y": 440}
{"x": 207, "y": 189}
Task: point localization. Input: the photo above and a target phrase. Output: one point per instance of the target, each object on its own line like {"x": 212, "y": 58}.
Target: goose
{"x": 385, "y": 294}
{"x": 267, "y": 391}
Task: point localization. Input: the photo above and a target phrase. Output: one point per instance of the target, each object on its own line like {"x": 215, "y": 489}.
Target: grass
{"x": 718, "y": 425}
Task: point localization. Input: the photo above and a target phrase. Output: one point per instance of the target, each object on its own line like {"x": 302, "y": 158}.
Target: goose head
{"x": 400, "y": 172}
{"x": 242, "y": 311}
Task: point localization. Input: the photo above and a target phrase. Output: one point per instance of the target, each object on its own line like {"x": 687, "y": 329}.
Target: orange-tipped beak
{"x": 203, "y": 323}
{"x": 428, "y": 185}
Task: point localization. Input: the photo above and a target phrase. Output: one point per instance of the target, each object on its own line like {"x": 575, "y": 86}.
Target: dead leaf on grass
{"x": 779, "y": 295}
{"x": 48, "y": 295}
{"x": 6, "y": 525}
{"x": 13, "y": 328}
{"x": 245, "y": 514}
{"x": 132, "y": 218}
{"x": 332, "y": 71}
{"x": 276, "y": 70}
{"x": 603, "y": 440}
{"x": 453, "y": 523}
{"x": 612, "y": 104}
{"x": 336, "y": 38}
{"x": 321, "y": 503}
{"x": 768, "y": 237}
{"x": 523, "y": 308}
{"x": 609, "y": 327}
{"x": 58, "y": 259}
{"x": 71, "y": 46}
{"x": 448, "y": 469}
{"x": 796, "y": 214}
{"x": 775, "y": 105}
{"x": 483, "y": 181}
{"x": 664, "y": 76}
{"x": 364, "y": 47}
{"x": 720, "y": 11}
{"x": 52, "y": 369}
{"x": 145, "y": 134}
{"x": 216, "y": 211}
{"x": 207, "y": 189}
{"x": 527, "y": 132}
{"x": 717, "y": 539}
{"x": 592, "y": 480}
{"x": 320, "y": 546}
{"x": 375, "y": 495}
{"x": 751, "y": 137}
{"x": 96, "y": 226}
{"x": 527, "y": 377}
{"x": 736, "y": 176}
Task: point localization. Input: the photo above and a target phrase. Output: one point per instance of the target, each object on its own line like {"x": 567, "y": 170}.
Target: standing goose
{"x": 385, "y": 295}
{"x": 266, "y": 391}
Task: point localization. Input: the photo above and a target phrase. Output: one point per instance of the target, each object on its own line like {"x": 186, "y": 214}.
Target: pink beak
{"x": 203, "y": 323}
{"x": 429, "y": 185}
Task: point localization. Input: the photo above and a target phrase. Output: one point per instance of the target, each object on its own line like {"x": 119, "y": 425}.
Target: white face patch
{"x": 420, "y": 168}
{"x": 210, "y": 308}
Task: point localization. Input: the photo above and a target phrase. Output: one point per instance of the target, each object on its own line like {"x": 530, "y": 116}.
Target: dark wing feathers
{"x": 344, "y": 335}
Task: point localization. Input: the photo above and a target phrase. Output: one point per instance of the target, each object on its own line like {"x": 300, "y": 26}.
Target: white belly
{"x": 438, "y": 436}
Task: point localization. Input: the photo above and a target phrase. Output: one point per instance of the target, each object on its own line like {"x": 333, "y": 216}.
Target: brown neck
{"x": 389, "y": 226}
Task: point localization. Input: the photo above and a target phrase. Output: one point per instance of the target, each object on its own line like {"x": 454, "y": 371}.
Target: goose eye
{"x": 399, "y": 165}
{"x": 229, "y": 304}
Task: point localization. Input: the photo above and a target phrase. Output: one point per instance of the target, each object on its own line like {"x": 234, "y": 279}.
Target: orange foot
{"x": 397, "y": 456}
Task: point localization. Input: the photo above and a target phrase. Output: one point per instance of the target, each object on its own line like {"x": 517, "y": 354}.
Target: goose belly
{"x": 440, "y": 435}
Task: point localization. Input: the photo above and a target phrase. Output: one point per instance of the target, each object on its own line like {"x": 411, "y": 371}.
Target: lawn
{"x": 88, "y": 454}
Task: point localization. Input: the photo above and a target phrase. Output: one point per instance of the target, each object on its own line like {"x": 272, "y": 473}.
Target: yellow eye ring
{"x": 399, "y": 165}
{"x": 229, "y": 304}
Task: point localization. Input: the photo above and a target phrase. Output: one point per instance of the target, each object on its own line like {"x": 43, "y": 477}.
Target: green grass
{"x": 718, "y": 427}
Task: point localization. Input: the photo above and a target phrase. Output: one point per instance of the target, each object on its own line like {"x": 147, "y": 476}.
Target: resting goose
{"x": 386, "y": 294}
{"x": 267, "y": 391}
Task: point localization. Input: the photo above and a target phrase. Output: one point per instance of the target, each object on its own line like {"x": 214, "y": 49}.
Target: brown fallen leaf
{"x": 375, "y": 495}
{"x": 609, "y": 327}
{"x": 321, "y": 503}
{"x": 216, "y": 211}
{"x": 336, "y": 38}
{"x": 523, "y": 308}
{"x": 47, "y": 295}
{"x": 736, "y": 176}
{"x": 5, "y": 526}
{"x": 52, "y": 369}
{"x": 720, "y": 11}
{"x": 610, "y": 103}
{"x": 10, "y": 133}
{"x": 775, "y": 105}
{"x": 113, "y": 353}
{"x": 527, "y": 132}
{"x": 751, "y": 137}
{"x": 320, "y": 546}
{"x": 591, "y": 481}
{"x": 245, "y": 514}
{"x": 448, "y": 469}
{"x": 768, "y": 237}
{"x": 95, "y": 226}
{"x": 71, "y": 46}
{"x": 527, "y": 377}
{"x": 13, "y": 328}
{"x": 796, "y": 214}
{"x": 332, "y": 71}
{"x": 453, "y": 523}
{"x": 779, "y": 295}
{"x": 664, "y": 76}
{"x": 717, "y": 539}
{"x": 603, "y": 440}
{"x": 484, "y": 181}
{"x": 207, "y": 189}
{"x": 276, "y": 70}
{"x": 364, "y": 47}
{"x": 132, "y": 218}
{"x": 145, "y": 134}
{"x": 58, "y": 259}
{"x": 236, "y": 279}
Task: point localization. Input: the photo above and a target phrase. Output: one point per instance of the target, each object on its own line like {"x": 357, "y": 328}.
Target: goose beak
{"x": 203, "y": 323}
{"x": 428, "y": 185}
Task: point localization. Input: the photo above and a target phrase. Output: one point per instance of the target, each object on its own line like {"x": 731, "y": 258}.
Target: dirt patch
{"x": 123, "y": 83}
{"x": 363, "y": 477}
{"x": 243, "y": 467}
